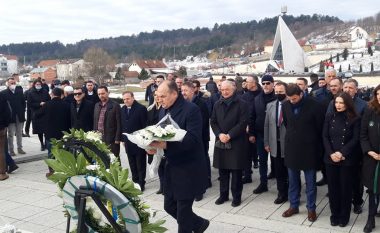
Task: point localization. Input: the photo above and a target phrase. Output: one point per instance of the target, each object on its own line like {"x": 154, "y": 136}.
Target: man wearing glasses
{"x": 256, "y": 128}
{"x": 82, "y": 111}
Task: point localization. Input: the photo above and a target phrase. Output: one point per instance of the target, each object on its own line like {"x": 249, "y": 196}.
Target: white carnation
{"x": 92, "y": 167}
{"x": 94, "y": 136}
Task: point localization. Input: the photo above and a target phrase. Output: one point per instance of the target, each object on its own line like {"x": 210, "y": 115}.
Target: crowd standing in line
{"x": 253, "y": 119}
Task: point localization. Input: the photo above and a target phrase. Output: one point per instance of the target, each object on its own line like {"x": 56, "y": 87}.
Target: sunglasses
{"x": 77, "y": 94}
{"x": 265, "y": 83}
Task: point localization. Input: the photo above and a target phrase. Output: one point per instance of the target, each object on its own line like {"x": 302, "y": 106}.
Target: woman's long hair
{"x": 349, "y": 103}
{"x": 374, "y": 103}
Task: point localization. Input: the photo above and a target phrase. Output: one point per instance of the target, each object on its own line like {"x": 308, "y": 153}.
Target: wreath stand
{"x": 76, "y": 147}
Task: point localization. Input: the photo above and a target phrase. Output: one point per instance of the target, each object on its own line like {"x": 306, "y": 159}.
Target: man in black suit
{"x": 91, "y": 92}
{"x": 188, "y": 93}
{"x": 57, "y": 114}
{"x": 15, "y": 97}
{"x": 185, "y": 169}
{"x": 82, "y": 111}
{"x": 133, "y": 118}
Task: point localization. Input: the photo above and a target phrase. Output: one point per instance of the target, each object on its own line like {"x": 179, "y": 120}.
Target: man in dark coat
{"x": 91, "y": 92}
{"x": 185, "y": 170}
{"x": 37, "y": 98}
{"x": 57, "y": 114}
{"x": 303, "y": 119}
{"x": 229, "y": 121}
{"x": 107, "y": 120}
{"x": 211, "y": 86}
{"x": 5, "y": 118}
{"x": 253, "y": 89}
{"x": 28, "y": 111}
{"x": 149, "y": 91}
{"x": 133, "y": 118}
{"x": 15, "y": 97}
{"x": 82, "y": 111}
{"x": 188, "y": 92}
{"x": 256, "y": 129}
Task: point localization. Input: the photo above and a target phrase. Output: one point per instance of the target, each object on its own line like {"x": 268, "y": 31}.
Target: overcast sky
{"x": 70, "y": 21}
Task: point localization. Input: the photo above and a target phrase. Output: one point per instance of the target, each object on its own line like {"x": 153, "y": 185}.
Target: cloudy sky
{"x": 70, "y": 21}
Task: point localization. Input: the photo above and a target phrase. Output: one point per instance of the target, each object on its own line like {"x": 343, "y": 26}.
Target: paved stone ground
{"x": 30, "y": 202}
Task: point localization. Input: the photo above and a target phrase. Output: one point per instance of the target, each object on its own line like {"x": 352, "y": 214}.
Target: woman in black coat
{"x": 370, "y": 142}
{"x": 37, "y": 98}
{"x": 340, "y": 138}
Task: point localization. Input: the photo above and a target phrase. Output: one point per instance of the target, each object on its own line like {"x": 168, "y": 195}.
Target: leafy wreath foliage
{"x": 67, "y": 164}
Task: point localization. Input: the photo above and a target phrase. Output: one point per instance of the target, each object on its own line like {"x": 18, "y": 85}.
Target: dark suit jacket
{"x": 112, "y": 122}
{"x": 34, "y": 102}
{"x": 94, "y": 98}
{"x": 17, "y": 102}
{"x": 57, "y": 115}
{"x": 135, "y": 120}
{"x": 5, "y": 112}
{"x": 84, "y": 118}
{"x": 185, "y": 170}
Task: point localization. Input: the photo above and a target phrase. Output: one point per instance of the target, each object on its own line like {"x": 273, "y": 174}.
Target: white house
{"x": 70, "y": 69}
{"x": 151, "y": 66}
{"x": 358, "y": 37}
{"x": 8, "y": 63}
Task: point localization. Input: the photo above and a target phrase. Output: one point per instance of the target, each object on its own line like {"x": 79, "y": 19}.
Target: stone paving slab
{"x": 29, "y": 201}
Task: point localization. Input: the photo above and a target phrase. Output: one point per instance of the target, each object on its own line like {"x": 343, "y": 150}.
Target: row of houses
{"x": 71, "y": 69}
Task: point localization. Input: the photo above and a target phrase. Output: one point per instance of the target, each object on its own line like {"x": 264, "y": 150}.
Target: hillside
{"x": 176, "y": 43}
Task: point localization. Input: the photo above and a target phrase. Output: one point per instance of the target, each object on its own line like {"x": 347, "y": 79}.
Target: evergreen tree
{"x": 331, "y": 59}
{"x": 349, "y": 66}
{"x": 345, "y": 54}
{"x": 370, "y": 52}
{"x": 119, "y": 75}
{"x": 340, "y": 68}
{"x": 372, "y": 67}
{"x": 360, "y": 68}
{"x": 143, "y": 74}
{"x": 182, "y": 71}
{"x": 337, "y": 57}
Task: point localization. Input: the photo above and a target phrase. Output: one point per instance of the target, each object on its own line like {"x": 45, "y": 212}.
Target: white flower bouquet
{"x": 165, "y": 130}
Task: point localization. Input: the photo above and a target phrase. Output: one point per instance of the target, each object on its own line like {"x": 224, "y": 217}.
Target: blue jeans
{"x": 48, "y": 147}
{"x": 294, "y": 192}
{"x": 263, "y": 159}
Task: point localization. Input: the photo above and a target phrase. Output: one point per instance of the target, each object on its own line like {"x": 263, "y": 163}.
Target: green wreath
{"x": 75, "y": 162}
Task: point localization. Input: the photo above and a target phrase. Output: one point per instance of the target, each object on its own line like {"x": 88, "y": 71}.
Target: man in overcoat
{"x": 229, "y": 122}
{"x": 185, "y": 168}
{"x": 134, "y": 117}
{"x": 303, "y": 118}
{"x": 107, "y": 120}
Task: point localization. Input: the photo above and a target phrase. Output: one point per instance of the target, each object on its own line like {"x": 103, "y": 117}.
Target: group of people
{"x": 323, "y": 126}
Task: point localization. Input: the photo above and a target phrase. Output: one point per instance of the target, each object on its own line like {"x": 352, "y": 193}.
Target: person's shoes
{"x": 12, "y": 153}
{"x": 24, "y": 135}
{"x": 378, "y": 214}
{"x": 204, "y": 226}
{"x": 256, "y": 165}
{"x": 3, "y": 177}
{"x": 51, "y": 172}
{"x": 271, "y": 176}
{"x": 199, "y": 197}
{"x": 334, "y": 222}
{"x": 247, "y": 180}
{"x": 261, "y": 189}
{"x": 21, "y": 151}
{"x": 358, "y": 209}
{"x": 43, "y": 148}
{"x": 290, "y": 212}
{"x": 142, "y": 187}
{"x": 220, "y": 200}
{"x": 159, "y": 191}
{"x": 369, "y": 225}
{"x": 343, "y": 224}
{"x": 280, "y": 200}
{"x": 235, "y": 203}
{"x": 321, "y": 182}
{"x": 311, "y": 216}
{"x": 12, "y": 168}
{"x": 28, "y": 135}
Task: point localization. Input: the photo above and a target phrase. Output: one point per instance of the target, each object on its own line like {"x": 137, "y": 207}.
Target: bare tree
{"x": 99, "y": 63}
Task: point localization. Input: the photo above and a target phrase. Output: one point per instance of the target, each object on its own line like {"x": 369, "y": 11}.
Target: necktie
{"x": 128, "y": 109}
{"x": 280, "y": 117}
